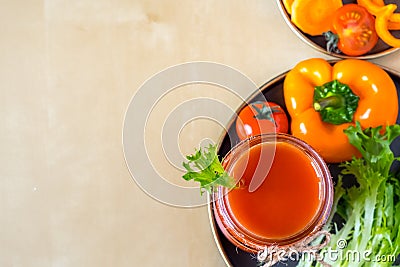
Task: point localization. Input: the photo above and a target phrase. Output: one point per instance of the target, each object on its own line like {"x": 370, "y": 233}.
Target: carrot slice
{"x": 288, "y": 5}
{"x": 314, "y": 17}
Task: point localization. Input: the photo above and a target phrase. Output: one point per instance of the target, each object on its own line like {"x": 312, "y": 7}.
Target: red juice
{"x": 286, "y": 201}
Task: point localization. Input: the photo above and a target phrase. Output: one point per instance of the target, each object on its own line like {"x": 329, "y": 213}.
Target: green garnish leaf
{"x": 205, "y": 167}
{"x": 373, "y": 145}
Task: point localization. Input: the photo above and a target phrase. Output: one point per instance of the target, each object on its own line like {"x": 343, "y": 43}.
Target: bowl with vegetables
{"x": 362, "y": 29}
{"x": 348, "y": 112}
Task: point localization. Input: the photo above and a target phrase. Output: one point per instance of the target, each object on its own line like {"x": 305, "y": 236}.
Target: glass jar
{"x": 231, "y": 221}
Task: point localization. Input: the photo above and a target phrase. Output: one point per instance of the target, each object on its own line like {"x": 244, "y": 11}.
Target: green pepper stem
{"x": 334, "y": 101}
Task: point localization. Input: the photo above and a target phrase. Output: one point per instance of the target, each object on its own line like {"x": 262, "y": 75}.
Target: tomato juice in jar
{"x": 293, "y": 198}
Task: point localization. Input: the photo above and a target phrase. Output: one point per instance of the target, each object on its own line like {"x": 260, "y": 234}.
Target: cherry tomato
{"x": 261, "y": 117}
{"x": 355, "y": 27}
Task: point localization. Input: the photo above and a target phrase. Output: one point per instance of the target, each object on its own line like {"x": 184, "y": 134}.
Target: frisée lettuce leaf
{"x": 370, "y": 209}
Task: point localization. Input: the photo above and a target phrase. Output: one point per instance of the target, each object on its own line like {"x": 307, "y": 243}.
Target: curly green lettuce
{"x": 371, "y": 208}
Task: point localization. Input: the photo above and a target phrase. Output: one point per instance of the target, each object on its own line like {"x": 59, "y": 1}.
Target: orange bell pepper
{"x": 393, "y": 25}
{"x": 395, "y": 17}
{"x": 394, "y": 20}
{"x": 382, "y": 25}
{"x": 386, "y": 19}
{"x": 377, "y": 104}
{"x": 374, "y": 6}
{"x": 379, "y": 2}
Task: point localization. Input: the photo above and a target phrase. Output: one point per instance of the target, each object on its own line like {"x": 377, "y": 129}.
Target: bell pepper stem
{"x": 334, "y": 101}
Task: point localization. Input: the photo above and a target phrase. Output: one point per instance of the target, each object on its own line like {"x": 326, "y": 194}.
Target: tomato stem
{"x": 332, "y": 42}
{"x": 264, "y": 113}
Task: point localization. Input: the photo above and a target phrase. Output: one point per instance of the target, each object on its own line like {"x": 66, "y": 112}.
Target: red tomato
{"x": 261, "y": 117}
{"x": 355, "y": 27}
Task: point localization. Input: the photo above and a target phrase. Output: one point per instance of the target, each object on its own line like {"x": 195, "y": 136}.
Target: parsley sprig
{"x": 205, "y": 167}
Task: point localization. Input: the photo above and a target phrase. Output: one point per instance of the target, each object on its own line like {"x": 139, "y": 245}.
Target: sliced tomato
{"x": 355, "y": 28}
{"x": 261, "y": 117}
